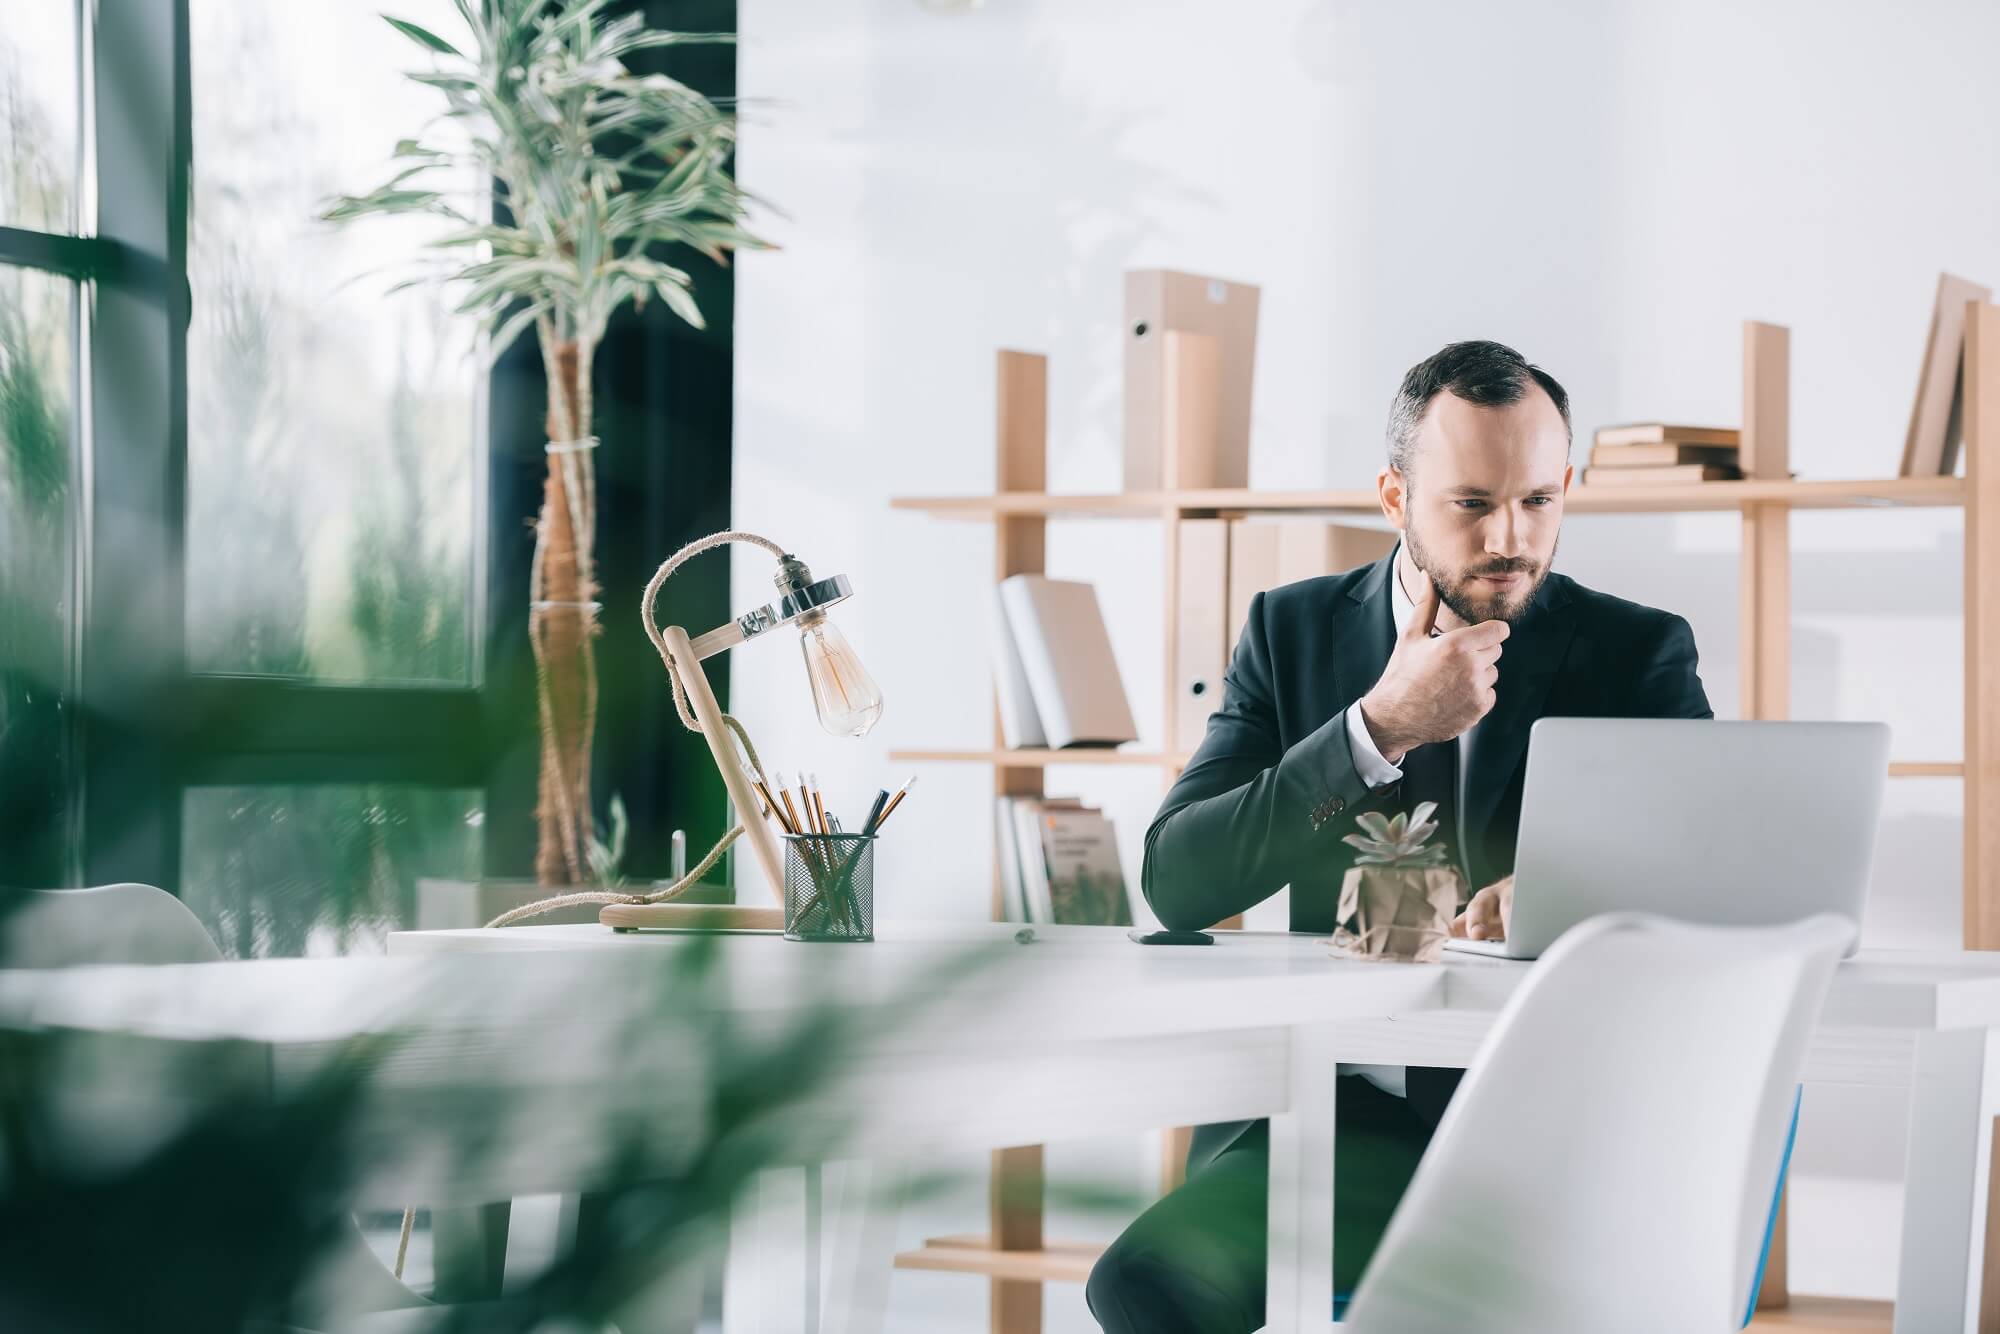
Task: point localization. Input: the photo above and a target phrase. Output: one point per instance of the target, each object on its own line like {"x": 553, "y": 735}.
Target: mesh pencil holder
{"x": 829, "y": 886}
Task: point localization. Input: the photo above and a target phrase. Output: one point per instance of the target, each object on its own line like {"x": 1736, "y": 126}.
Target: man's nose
{"x": 1503, "y": 533}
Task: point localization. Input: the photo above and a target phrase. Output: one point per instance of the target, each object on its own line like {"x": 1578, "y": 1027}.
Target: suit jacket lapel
{"x": 1528, "y": 664}
{"x": 1364, "y": 631}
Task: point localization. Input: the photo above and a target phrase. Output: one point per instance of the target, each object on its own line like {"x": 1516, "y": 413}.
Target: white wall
{"x": 1610, "y": 187}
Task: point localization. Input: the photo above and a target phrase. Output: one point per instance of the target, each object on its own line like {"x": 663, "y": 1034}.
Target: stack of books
{"x": 1656, "y": 454}
{"x": 1059, "y": 863}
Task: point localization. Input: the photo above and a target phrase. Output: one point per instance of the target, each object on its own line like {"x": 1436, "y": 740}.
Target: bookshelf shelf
{"x": 1927, "y": 769}
{"x": 1152, "y": 759}
{"x": 1827, "y": 1315}
{"x": 1042, "y": 759}
{"x": 1867, "y": 493}
{"x": 1053, "y": 1262}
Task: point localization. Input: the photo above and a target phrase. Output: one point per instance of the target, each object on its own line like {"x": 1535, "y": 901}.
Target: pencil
{"x": 771, "y": 807}
{"x": 819, "y": 803}
{"x": 790, "y": 810}
{"x": 894, "y": 802}
{"x": 806, "y": 804}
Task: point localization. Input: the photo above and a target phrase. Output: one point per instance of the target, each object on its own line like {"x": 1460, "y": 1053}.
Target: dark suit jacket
{"x": 1273, "y": 787}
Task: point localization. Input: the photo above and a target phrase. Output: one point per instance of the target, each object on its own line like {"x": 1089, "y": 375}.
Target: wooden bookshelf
{"x": 1041, "y": 759}
{"x": 1052, "y": 1262}
{"x": 1828, "y": 1315}
{"x": 1700, "y": 497}
{"x": 1152, "y": 759}
{"x": 1014, "y": 1256}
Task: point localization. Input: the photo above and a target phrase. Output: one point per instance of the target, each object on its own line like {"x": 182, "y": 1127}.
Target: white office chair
{"x": 139, "y": 924}
{"x": 1609, "y": 1162}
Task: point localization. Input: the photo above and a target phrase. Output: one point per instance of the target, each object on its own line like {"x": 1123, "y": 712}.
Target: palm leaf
{"x": 423, "y": 36}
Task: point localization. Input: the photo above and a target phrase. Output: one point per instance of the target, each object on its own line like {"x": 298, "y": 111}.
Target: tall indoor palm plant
{"x": 594, "y": 170}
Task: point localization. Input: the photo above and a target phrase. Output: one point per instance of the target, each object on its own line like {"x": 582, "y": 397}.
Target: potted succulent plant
{"x": 1398, "y": 898}
{"x": 594, "y": 170}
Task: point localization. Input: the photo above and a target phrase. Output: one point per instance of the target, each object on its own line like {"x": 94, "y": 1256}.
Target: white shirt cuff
{"x": 1391, "y": 1079}
{"x": 1368, "y": 762}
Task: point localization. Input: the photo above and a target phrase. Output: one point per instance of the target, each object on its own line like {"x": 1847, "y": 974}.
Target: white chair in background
{"x": 1609, "y": 1162}
{"x": 140, "y": 924}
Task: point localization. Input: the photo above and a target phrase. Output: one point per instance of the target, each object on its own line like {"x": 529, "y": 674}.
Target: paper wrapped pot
{"x": 1401, "y": 913}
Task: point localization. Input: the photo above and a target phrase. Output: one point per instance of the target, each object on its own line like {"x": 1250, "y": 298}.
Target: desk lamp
{"x": 844, "y": 695}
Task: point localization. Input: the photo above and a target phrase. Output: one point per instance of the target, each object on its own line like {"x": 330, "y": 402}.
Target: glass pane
{"x": 291, "y": 871}
{"x": 331, "y": 427}
{"x": 37, "y": 608}
{"x": 38, "y": 101}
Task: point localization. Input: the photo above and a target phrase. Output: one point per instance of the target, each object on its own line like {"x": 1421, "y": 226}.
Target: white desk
{"x": 1077, "y": 1032}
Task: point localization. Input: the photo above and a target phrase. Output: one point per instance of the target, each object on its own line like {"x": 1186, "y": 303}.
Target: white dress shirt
{"x": 1376, "y": 771}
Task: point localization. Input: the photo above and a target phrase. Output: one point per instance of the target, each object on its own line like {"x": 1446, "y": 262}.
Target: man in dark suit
{"x": 1413, "y": 679}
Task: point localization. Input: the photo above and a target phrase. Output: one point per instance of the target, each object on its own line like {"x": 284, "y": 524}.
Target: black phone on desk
{"x": 1170, "y": 937}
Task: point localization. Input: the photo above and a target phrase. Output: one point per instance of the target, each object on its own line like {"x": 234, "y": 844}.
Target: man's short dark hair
{"x": 1489, "y": 375}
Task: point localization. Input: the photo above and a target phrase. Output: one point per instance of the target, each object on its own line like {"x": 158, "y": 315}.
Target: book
{"x": 1253, "y": 569}
{"x": 1269, "y": 553}
{"x": 1684, "y": 472}
{"x": 1661, "y": 455}
{"x": 1006, "y": 846}
{"x": 1201, "y": 629}
{"x": 1159, "y": 302}
{"x": 1030, "y": 853}
{"x": 1661, "y": 433}
{"x": 1085, "y": 884}
{"x": 1066, "y": 656}
{"x": 1930, "y": 449}
{"x": 1020, "y": 724}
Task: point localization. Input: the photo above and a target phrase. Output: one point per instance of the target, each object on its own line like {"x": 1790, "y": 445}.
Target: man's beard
{"x": 1456, "y": 589}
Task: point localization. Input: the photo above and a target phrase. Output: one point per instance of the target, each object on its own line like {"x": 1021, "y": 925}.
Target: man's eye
{"x": 1541, "y": 500}
{"x": 1468, "y": 504}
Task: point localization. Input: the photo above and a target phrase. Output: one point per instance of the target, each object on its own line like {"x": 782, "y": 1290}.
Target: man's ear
{"x": 1393, "y": 491}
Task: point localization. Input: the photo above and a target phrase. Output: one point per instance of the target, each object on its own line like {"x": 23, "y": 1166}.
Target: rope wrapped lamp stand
{"x": 699, "y": 713}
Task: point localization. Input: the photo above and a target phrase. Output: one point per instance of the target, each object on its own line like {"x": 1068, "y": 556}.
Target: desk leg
{"x": 864, "y": 1204}
{"x": 1946, "y": 1195}
{"x": 1298, "y": 1288}
{"x": 469, "y": 1251}
{"x": 771, "y": 1277}
{"x": 670, "y": 1301}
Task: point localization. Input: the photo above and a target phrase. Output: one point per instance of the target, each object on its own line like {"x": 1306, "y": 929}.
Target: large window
{"x": 39, "y": 393}
{"x": 329, "y": 869}
{"x": 39, "y": 101}
{"x": 252, "y": 499}
{"x": 332, "y": 424}
{"x": 37, "y": 601}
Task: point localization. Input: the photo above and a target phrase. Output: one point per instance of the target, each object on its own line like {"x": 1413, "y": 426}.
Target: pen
{"x": 875, "y": 810}
{"x": 894, "y": 802}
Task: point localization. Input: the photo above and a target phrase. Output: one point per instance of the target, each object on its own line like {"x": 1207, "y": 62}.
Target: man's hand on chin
{"x": 1486, "y": 917}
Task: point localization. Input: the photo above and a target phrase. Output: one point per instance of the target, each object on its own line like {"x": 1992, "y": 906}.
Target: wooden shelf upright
{"x": 1014, "y": 1255}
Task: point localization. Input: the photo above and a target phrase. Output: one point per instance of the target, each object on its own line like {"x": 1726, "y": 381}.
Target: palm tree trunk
{"x": 562, "y": 621}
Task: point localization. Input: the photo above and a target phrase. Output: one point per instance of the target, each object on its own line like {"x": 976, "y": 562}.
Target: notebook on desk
{"x": 1729, "y": 823}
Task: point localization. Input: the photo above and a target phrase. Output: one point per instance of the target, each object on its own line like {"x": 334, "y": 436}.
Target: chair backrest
{"x": 64, "y": 928}
{"x": 1610, "y": 1160}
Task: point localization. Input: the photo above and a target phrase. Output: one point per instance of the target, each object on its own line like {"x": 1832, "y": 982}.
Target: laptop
{"x": 1725, "y": 823}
